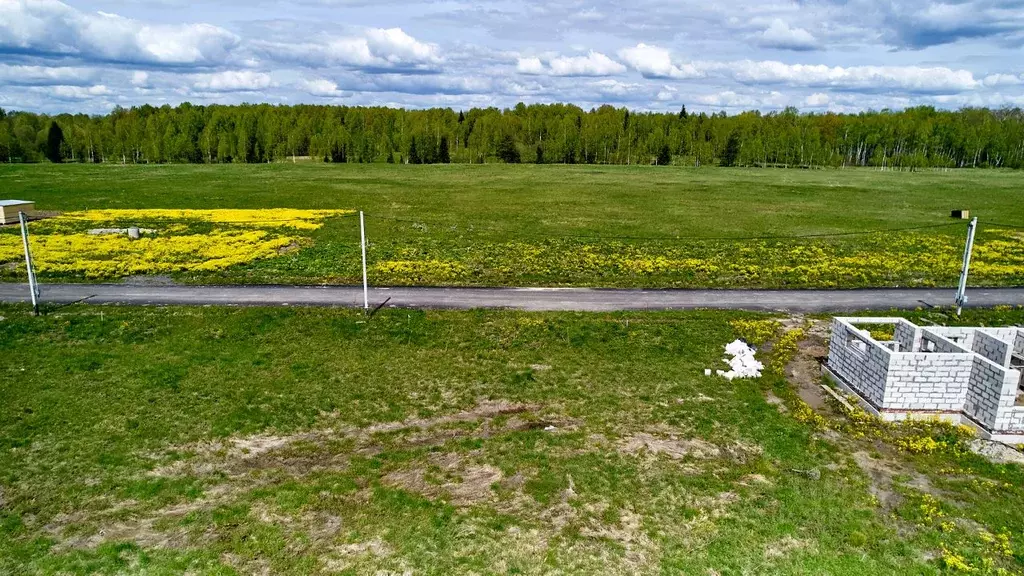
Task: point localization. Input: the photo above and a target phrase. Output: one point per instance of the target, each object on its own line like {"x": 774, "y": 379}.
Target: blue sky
{"x": 645, "y": 54}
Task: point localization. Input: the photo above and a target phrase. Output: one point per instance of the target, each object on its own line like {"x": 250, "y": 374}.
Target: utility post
{"x": 362, "y": 243}
{"x": 33, "y": 286}
{"x": 961, "y": 291}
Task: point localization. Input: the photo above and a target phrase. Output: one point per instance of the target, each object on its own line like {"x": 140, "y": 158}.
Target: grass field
{"x": 306, "y": 441}
{"x": 578, "y": 225}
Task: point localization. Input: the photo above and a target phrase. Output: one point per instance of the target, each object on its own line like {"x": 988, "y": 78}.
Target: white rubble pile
{"x": 741, "y": 361}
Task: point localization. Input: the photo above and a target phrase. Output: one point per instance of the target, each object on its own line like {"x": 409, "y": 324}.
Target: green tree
{"x": 732, "y": 150}
{"x": 443, "y": 153}
{"x": 414, "y": 156}
{"x": 54, "y": 142}
{"x": 664, "y": 156}
{"x": 507, "y": 150}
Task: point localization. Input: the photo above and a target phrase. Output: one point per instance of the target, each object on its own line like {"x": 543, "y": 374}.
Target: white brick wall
{"x": 964, "y": 337}
{"x": 927, "y": 381}
{"x": 992, "y": 348}
{"x": 859, "y": 360}
{"x": 931, "y": 373}
{"x": 907, "y": 335}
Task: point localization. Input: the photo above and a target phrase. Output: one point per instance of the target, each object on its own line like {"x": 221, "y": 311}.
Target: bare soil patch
{"x": 457, "y": 481}
{"x": 238, "y": 465}
{"x": 804, "y": 370}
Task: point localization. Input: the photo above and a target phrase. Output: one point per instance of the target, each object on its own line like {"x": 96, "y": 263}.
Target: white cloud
{"x": 780, "y": 35}
{"x": 655, "y": 62}
{"x": 731, "y": 99}
{"x": 377, "y": 48}
{"x": 232, "y": 81}
{"x": 531, "y": 66}
{"x": 49, "y": 27}
{"x": 140, "y": 79}
{"x": 593, "y": 64}
{"x": 817, "y": 100}
{"x": 322, "y": 87}
{"x": 994, "y": 80}
{"x": 79, "y": 92}
{"x": 611, "y": 87}
{"x": 45, "y": 75}
{"x": 861, "y": 78}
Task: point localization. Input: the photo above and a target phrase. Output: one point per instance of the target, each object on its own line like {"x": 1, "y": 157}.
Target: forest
{"x": 909, "y": 139}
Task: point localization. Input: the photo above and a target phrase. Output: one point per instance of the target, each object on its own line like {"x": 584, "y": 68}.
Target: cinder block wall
{"x": 992, "y": 348}
{"x": 1018, "y": 344}
{"x": 928, "y": 381}
{"x": 859, "y": 360}
{"x": 986, "y": 394}
{"x": 964, "y": 337}
{"x": 907, "y": 335}
{"x": 1011, "y": 420}
{"x": 1010, "y": 417}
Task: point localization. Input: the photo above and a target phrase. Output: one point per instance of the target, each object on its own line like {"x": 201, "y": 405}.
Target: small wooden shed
{"x": 9, "y": 210}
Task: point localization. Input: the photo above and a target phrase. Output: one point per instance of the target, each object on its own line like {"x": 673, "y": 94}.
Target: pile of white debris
{"x": 741, "y": 362}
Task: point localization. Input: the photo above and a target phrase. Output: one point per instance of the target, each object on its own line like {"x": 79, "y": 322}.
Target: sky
{"x": 844, "y": 56}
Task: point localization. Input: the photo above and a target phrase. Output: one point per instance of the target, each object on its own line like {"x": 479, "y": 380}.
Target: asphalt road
{"x": 575, "y": 299}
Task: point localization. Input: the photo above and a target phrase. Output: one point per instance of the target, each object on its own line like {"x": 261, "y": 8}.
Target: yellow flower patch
{"x": 257, "y": 218}
{"x": 116, "y": 255}
{"x": 62, "y": 246}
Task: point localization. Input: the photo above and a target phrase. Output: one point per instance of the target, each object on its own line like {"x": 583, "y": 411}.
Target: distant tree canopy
{"x": 552, "y": 133}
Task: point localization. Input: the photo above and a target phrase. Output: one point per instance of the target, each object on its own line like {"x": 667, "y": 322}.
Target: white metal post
{"x": 33, "y": 286}
{"x": 362, "y": 242}
{"x": 961, "y": 292}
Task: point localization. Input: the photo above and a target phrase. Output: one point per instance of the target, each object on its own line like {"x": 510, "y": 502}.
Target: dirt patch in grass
{"x": 804, "y": 370}
{"x": 883, "y": 475}
{"x": 346, "y": 556}
{"x": 774, "y": 400}
{"x": 329, "y": 448}
{"x": 448, "y": 477}
{"x": 784, "y": 547}
{"x": 644, "y": 443}
{"x": 239, "y": 465}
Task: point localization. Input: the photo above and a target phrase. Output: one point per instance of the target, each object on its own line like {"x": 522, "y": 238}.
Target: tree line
{"x": 541, "y": 133}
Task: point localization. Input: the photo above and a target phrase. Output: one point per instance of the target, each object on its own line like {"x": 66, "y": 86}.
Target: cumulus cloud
{"x": 52, "y": 28}
{"x": 376, "y": 49}
{"x": 46, "y": 76}
{"x": 817, "y": 100}
{"x": 857, "y": 78}
{"x": 655, "y": 62}
{"x": 780, "y": 35}
{"x": 996, "y": 80}
{"x": 140, "y": 79}
{"x": 79, "y": 92}
{"x": 232, "y": 81}
{"x": 593, "y": 64}
{"x": 322, "y": 87}
{"x": 732, "y": 99}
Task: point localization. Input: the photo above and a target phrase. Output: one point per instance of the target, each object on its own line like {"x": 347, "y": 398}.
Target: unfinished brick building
{"x": 966, "y": 375}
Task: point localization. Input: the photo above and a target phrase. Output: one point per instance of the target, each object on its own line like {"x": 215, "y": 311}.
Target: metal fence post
{"x": 362, "y": 242}
{"x": 961, "y": 291}
{"x": 33, "y": 286}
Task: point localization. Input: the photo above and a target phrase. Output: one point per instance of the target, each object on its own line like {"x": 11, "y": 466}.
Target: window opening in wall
{"x": 856, "y": 344}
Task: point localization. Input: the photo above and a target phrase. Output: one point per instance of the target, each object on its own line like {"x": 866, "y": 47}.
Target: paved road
{"x": 581, "y": 299}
